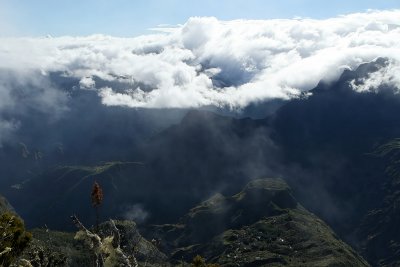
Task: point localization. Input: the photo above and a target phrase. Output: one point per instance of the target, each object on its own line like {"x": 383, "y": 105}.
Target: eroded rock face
{"x": 263, "y": 224}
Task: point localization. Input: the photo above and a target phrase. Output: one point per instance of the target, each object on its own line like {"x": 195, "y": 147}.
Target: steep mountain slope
{"x": 206, "y": 153}
{"x": 209, "y": 149}
{"x": 70, "y": 193}
{"x": 80, "y": 131}
{"x": 326, "y": 141}
{"x": 263, "y": 225}
{"x": 379, "y": 232}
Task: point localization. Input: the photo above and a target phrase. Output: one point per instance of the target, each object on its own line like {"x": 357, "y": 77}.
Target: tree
{"x": 13, "y": 238}
{"x": 97, "y": 199}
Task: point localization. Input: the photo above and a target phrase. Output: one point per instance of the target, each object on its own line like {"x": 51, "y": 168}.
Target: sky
{"x": 127, "y": 18}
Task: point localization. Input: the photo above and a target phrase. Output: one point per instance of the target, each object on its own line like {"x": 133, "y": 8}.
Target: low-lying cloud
{"x": 25, "y": 92}
{"x": 136, "y": 213}
{"x": 206, "y": 61}
{"x": 387, "y": 75}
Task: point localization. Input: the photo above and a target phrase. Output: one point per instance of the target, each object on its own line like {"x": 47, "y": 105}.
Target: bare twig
{"x": 107, "y": 251}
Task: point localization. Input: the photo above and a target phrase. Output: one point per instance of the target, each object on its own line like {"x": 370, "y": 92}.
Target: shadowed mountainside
{"x": 259, "y": 226}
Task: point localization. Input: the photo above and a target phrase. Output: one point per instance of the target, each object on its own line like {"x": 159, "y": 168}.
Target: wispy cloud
{"x": 136, "y": 213}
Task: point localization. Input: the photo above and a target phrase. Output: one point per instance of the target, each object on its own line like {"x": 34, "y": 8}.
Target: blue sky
{"x": 130, "y": 18}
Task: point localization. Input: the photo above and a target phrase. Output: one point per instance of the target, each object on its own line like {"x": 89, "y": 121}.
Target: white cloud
{"x": 212, "y": 62}
{"x": 87, "y": 83}
{"x": 384, "y": 76}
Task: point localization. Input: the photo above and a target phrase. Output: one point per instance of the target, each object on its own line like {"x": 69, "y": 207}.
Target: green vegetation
{"x": 55, "y": 249}
{"x": 199, "y": 261}
{"x": 294, "y": 238}
{"x": 14, "y": 239}
{"x": 95, "y": 170}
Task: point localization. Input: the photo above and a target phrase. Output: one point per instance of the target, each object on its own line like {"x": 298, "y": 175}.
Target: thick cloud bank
{"x": 211, "y": 62}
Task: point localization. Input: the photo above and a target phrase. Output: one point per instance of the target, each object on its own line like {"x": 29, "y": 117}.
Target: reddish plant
{"x": 97, "y": 199}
